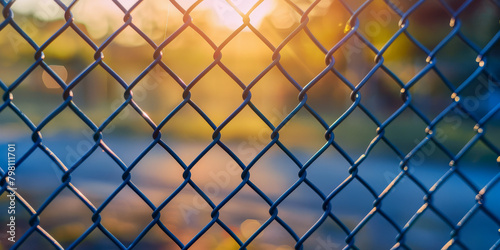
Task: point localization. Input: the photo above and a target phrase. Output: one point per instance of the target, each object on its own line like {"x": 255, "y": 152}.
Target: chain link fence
{"x": 250, "y": 124}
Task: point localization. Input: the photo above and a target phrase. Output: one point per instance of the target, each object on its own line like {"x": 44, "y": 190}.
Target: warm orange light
{"x": 47, "y": 79}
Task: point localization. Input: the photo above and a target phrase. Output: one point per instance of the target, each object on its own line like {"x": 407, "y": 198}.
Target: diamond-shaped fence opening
{"x": 231, "y": 124}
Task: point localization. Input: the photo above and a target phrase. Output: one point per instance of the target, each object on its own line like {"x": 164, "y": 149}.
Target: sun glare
{"x": 227, "y": 16}
{"x": 155, "y": 17}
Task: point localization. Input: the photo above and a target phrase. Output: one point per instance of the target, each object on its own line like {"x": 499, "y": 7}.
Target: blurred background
{"x": 246, "y": 53}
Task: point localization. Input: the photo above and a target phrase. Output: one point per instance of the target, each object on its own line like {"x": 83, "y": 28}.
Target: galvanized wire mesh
{"x": 485, "y": 66}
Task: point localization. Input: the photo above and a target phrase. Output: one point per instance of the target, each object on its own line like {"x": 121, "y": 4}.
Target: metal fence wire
{"x": 359, "y": 32}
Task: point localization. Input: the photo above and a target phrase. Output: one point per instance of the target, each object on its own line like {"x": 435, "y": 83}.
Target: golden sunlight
{"x": 227, "y": 14}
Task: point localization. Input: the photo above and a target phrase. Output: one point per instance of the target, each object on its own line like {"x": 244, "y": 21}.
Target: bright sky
{"x": 154, "y": 17}
{"x": 90, "y": 11}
